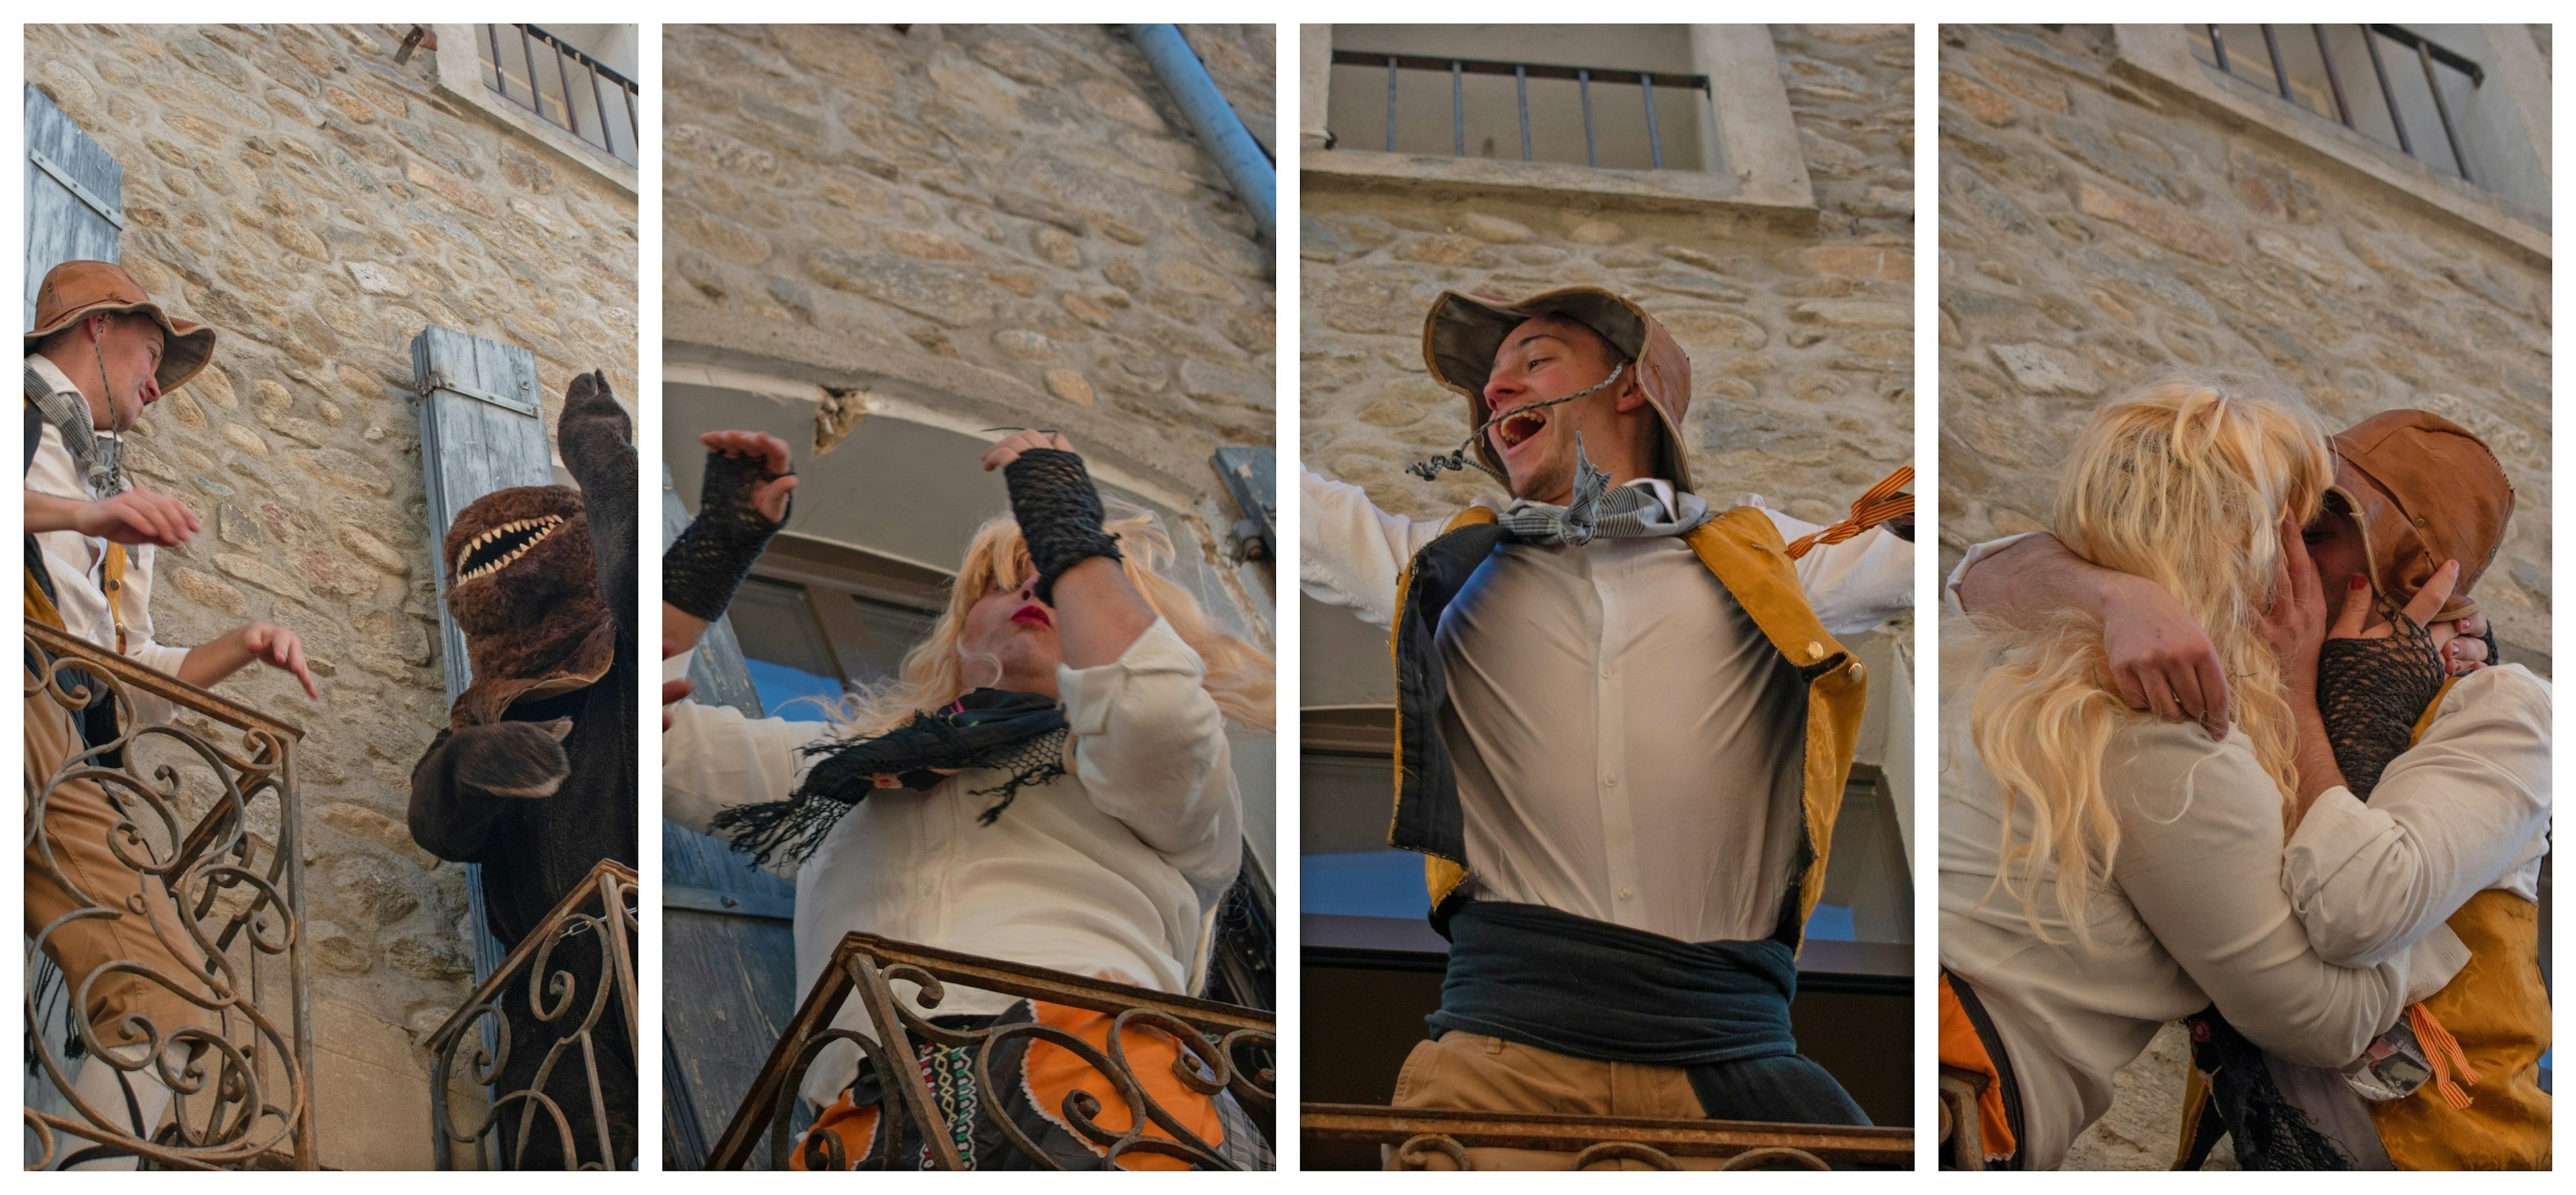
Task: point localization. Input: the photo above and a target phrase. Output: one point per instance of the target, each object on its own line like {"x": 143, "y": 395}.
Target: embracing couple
{"x": 2231, "y": 746}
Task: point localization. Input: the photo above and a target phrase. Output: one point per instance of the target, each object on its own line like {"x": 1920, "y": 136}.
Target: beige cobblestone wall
{"x": 319, "y": 204}
{"x": 2092, "y": 232}
{"x": 1013, "y": 217}
{"x": 1799, "y": 336}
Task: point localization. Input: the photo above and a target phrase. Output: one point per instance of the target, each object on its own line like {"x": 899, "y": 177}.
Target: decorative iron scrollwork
{"x": 1221, "y": 1051}
{"x": 590, "y": 1033}
{"x": 185, "y": 914}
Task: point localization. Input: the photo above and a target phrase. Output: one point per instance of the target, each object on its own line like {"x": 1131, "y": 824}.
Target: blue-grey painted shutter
{"x": 729, "y": 955}
{"x": 481, "y": 429}
{"x": 75, "y": 212}
{"x": 75, "y": 196}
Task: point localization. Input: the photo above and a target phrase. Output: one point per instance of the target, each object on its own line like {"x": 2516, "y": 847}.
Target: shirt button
{"x": 1611, "y": 781}
{"x": 1607, "y": 673}
{"x": 1627, "y": 894}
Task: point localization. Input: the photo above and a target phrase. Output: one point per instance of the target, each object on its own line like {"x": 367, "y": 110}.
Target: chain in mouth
{"x": 497, "y": 548}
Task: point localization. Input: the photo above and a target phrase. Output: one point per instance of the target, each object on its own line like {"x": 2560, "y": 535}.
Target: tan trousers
{"x": 1474, "y": 1073}
{"x": 78, "y": 824}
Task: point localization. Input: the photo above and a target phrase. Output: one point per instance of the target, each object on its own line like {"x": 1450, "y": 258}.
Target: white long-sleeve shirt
{"x": 78, "y": 563}
{"x": 1114, "y": 870}
{"x": 1626, "y": 741}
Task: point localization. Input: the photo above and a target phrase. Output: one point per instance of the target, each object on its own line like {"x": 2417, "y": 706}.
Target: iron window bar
{"x": 1521, "y": 73}
{"x": 608, "y": 91}
{"x": 215, "y": 825}
{"x": 2428, "y": 55}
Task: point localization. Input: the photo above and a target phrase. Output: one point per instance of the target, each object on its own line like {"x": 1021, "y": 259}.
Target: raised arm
{"x": 1098, "y": 610}
{"x": 742, "y": 501}
{"x": 2161, "y": 659}
{"x": 1350, "y": 552}
{"x": 597, "y": 441}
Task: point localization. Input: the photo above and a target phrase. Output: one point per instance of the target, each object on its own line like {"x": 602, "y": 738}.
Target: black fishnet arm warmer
{"x": 2371, "y": 691}
{"x": 706, "y": 564}
{"x": 1059, "y": 514}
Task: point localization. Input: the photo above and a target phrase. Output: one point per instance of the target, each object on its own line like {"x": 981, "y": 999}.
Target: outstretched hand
{"x": 137, "y": 516}
{"x": 279, "y": 648}
{"x": 770, "y": 453}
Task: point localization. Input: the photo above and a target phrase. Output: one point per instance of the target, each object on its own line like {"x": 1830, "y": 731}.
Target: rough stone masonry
{"x": 1010, "y": 218}
{"x": 2092, "y": 232}
{"x": 319, "y": 205}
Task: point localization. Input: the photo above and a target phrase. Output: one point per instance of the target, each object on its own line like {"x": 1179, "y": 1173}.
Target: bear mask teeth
{"x": 497, "y": 548}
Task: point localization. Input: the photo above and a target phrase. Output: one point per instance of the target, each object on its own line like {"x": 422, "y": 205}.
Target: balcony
{"x": 209, "y": 834}
{"x": 1433, "y": 1139}
{"x": 584, "y": 952}
{"x": 1224, "y": 1048}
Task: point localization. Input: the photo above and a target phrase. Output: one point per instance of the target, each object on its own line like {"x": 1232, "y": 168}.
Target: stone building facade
{"x": 319, "y": 203}
{"x": 2110, "y": 208}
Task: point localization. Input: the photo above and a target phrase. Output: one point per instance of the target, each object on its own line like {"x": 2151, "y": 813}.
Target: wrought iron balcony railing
{"x": 203, "y": 844}
{"x": 1432, "y": 1139}
{"x": 586, "y": 1031}
{"x": 1223, "y": 1049}
{"x": 564, "y": 86}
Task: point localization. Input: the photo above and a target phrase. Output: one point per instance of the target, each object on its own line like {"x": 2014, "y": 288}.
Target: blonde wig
{"x": 1239, "y": 675}
{"x": 2183, "y": 482}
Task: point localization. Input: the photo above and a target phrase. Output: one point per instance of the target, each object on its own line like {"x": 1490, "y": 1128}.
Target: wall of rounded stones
{"x": 1016, "y": 216}
{"x": 319, "y": 204}
{"x": 2093, "y": 234}
{"x": 1799, "y": 335}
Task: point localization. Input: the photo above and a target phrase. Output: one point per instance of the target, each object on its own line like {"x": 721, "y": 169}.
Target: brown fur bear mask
{"x": 524, "y": 588}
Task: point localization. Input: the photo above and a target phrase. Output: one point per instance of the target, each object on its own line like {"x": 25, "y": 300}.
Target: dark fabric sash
{"x": 1590, "y": 989}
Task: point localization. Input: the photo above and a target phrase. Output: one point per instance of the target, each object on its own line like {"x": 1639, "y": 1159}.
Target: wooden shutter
{"x": 728, "y": 954}
{"x": 75, "y": 197}
{"x": 481, "y": 429}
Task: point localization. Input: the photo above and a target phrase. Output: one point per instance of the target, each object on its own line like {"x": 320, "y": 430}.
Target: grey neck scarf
{"x": 96, "y": 458}
{"x": 1595, "y": 510}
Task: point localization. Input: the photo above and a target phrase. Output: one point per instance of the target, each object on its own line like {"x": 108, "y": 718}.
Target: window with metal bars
{"x": 1612, "y": 97}
{"x": 2387, "y": 83}
{"x": 564, "y": 86}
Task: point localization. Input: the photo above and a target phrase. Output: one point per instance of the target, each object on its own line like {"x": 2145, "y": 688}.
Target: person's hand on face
{"x": 2295, "y": 626}
{"x": 2360, "y": 617}
{"x": 1009, "y": 640}
{"x": 770, "y": 498}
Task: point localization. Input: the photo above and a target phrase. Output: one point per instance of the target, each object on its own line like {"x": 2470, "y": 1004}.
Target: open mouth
{"x": 1032, "y": 615}
{"x": 1517, "y": 428}
{"x": 495, "y": 549}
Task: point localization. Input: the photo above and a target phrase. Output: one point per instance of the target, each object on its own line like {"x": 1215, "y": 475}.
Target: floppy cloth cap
{"x": 2424, "y": 491}
{"x": 75, "y": 290}
{"x": 1462, "y": 332}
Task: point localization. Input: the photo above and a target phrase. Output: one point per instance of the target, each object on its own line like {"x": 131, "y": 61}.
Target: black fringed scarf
{"x": 1022, "y": 734}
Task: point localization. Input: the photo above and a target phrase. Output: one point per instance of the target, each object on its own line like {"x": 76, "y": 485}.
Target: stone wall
{"x": 1013, "y": 218}
{"x": 1800, "y": 336}
{"x": 2093, "y": 232}
{"x": 319, "y": 204}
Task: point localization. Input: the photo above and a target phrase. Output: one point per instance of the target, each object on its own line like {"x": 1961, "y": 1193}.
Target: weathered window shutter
{"x": 726, "y": 929}
{"x": 482, "y": 429}
{"x": 75, "y": 196}
{"x": 75, "y": 212}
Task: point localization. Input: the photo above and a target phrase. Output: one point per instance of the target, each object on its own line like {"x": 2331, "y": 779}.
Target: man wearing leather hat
{"x": 101, "y": 352}
{"x": 1624, "y": 722}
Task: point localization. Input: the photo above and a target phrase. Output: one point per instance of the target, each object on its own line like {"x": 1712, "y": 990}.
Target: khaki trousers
{"x": 79, "y": 822}
{"x": 1474, "y": 1073}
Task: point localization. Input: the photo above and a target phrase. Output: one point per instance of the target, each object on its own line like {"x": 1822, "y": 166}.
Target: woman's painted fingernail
{"x": 2358, "y": 581}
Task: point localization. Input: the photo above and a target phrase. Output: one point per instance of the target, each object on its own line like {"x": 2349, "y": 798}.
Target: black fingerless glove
{"x": 1059, "y": 514}
{"x": 707, "y": 563}
{"x": 2370, "y": 692}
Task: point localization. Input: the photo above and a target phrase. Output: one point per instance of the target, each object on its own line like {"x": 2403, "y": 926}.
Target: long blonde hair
{"x": 1239, "y": 675}
{"x": 2183, "y": 482}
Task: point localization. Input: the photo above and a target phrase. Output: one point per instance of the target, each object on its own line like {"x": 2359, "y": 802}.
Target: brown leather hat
{"x": 2424, "y": 491}
{"x": 76, "y": 289}
{"x": 1462, "y": 332}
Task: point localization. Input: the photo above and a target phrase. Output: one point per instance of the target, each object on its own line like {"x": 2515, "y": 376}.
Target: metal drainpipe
{"x": 1246, "y": 167}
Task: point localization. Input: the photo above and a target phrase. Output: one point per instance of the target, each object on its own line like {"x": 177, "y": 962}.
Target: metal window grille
{"x": 563, "y": 86}
{"x": 1584, "y": 78}
{"x": 2359, "y": 77}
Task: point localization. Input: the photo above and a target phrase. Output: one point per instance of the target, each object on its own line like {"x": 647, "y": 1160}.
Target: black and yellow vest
{"x": 1744, "y": 553}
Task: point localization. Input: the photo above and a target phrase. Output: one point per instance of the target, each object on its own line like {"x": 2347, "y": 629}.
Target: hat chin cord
{"x": 1430, "y": 468}
{"x": 111, "y": 448}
